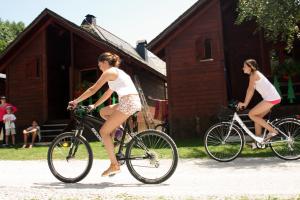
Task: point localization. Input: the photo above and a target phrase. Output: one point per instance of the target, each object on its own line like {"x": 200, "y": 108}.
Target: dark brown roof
{"x": 103, "y": 36}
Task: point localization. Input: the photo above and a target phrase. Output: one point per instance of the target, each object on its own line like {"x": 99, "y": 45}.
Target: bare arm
{"x": 104, "y": 97}
{"x": 105, "y": 77}
{"x": 250, "y": 91}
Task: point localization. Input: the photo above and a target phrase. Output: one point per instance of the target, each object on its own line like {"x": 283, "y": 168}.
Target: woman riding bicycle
{"x": 129, "y": 102}
{"x": 269, "y": 94}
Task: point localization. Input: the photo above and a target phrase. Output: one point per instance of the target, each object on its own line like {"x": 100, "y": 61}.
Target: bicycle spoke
{"x": 219, "y": 148}
{"x": 157, "y": 162}
{"x": 287, "y": 147}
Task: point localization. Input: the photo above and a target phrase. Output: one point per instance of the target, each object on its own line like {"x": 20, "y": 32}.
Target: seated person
{"x": 33, "y": 130}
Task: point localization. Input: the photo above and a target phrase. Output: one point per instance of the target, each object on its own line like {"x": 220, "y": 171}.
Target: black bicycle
{"x": 151, "y": 156}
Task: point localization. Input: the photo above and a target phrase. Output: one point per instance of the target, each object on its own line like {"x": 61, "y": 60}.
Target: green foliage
{"x": 279, "y": 19}
{"x": 290, "y": 67}
{"x": 8, "y": 32}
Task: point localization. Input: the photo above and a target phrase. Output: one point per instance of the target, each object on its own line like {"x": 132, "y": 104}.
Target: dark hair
{"x": 252, "y": 64}
{"x": 112, "y": 59}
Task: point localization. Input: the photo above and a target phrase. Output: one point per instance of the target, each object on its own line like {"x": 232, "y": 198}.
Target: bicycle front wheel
{"x": 151, "y": 157}
{"x": 287, "y": 148}
{"x": 70, "y": 158}
{"x": 223, "y": 145}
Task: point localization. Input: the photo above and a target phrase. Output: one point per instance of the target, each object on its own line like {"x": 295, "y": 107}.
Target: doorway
{"x": 58, "y": 64}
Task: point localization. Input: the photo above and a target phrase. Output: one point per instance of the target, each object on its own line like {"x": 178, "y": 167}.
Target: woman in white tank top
{"x": 115, "y": 115}
{"x": 269, "y": 94}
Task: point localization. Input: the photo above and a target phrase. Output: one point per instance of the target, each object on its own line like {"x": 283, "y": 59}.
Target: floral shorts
{"x": 129, "y": 104}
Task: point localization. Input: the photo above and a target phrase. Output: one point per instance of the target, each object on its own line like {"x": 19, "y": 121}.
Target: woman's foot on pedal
{"x": 253, "y": 145}
{"x": 112, "y": 170}
{"x": 270, "y": 136}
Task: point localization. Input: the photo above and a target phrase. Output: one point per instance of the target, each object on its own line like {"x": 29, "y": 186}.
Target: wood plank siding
{"x": 25, "y": 76}
{"x": 196, "y": 85}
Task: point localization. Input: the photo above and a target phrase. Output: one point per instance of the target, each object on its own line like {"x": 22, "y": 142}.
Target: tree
{"x": 279, "y": 19}
{"x": 8, "y": 32}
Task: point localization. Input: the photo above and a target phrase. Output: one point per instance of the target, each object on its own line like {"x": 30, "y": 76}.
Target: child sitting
{"x": 33, "y": 130}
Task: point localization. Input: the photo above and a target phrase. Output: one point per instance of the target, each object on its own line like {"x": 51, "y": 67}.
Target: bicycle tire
{"x": 134, "y": 146}
{"x": 283, "y": 148}
{"x": 214, "y": 148}
{"x": 53, "y": 169}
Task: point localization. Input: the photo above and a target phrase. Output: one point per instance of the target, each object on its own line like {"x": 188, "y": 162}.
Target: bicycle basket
{"x": 225, "y": 114}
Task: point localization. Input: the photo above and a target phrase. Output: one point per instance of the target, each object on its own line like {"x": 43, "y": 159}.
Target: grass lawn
{"x": 191, "y": 148}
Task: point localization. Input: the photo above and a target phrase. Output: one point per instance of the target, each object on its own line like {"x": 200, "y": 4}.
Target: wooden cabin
{"x": 204, "y": 51}
{"x": 53, "y": 59}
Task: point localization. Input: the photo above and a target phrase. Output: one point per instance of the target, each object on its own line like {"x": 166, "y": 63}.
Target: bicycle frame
{"x": 88, "y": 121}
{"x": 260, "y": 140}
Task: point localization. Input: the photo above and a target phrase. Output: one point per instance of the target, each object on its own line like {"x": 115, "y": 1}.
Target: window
{"x": 33, "y": 68}
{"x": 204, "y": 49}
{"x": 207, "y": 49}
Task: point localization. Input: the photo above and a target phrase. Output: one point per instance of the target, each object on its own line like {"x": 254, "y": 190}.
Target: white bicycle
{"x": 224, "y": 141}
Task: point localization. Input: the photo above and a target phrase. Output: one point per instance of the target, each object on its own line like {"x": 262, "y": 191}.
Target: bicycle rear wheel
{"x": 70, "y": 158}
{"x": 222, "y": 145}
{"x": 152, "y": 157}
{"x": 283, "y": 147}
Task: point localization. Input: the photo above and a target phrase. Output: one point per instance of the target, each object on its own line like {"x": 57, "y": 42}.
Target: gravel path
{"x": 193, "y": 179}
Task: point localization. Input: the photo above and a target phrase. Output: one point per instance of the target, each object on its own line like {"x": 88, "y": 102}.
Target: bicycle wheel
{"x": 283, "y": 147}
{"x": 152, "y": 157}
{"x": 222, "y": 145}
{"x": 70, "y": 158}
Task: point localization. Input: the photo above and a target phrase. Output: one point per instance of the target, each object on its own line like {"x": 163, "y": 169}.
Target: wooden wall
{"x": 25, "y": 79}
{"x": 195, "y": 86}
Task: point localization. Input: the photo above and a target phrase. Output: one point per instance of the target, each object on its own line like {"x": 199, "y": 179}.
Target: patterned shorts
{"x": 10, "y": 131}
{"x": 129, "y": 104}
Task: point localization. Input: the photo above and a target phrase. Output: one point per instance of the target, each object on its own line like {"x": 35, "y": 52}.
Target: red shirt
{"x": 3, "y": 110}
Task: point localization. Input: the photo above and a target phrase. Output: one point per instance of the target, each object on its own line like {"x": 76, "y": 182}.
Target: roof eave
{"x": 153, "y": 43}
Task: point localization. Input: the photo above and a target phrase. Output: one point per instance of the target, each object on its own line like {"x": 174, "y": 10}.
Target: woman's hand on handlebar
{"x": 72, "y": 105}
{"x": 241, "y": 106}
{"x": 91, "y": 107}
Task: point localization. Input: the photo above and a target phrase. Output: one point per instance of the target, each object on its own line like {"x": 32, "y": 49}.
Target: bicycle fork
{"x": 74, "y": 145}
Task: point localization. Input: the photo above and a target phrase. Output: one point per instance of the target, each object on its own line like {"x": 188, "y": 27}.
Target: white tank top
{"x": 123, "y": 84}
{"x": 266, "y": 89}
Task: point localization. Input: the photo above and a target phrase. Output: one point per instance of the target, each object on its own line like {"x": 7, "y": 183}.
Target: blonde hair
{"x": 112, "y": 59}
{"x": 252, "y": 64}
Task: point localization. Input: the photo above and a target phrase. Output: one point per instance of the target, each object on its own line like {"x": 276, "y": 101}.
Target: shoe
{"x": 253, "y": 146}
{"x": 270, "y": 136}
{"x": 24, "y": 146}
{"x": 30, "y": 146}
{"x": 112, "y": 170}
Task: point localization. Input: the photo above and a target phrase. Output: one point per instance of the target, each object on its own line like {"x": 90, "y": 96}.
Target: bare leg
{"x": 258, "y": 128}
{"x": 6, "y": 139}
{"x": 258, "y": 110}
{"x": 106, "y": 112}
{"x": 25, "y": 136}
{"x": 33, "y": 137}
{"x": 13, "y": 139}
{"x": 114, "y": 121}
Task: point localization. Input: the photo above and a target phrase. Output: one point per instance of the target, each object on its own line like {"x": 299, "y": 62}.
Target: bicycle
{"x": 224, "y": 141}
{"x": 70, "y": 156}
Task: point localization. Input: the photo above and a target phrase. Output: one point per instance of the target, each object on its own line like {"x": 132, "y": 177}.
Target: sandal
{"x": 112, "y": 170}
{"x": 270, "y": 136}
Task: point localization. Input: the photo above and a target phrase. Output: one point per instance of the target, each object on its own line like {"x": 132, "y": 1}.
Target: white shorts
{"x": 10, "y": 131}
{"x": 129, "y": 104}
